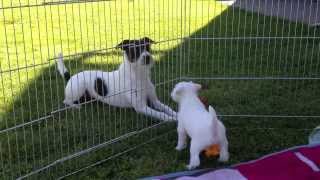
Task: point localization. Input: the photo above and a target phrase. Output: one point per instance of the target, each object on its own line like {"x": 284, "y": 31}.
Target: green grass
{"x": 32, "y": 36}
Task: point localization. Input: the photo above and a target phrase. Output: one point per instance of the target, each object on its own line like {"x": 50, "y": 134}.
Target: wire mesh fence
{"x": 257, "y": 67}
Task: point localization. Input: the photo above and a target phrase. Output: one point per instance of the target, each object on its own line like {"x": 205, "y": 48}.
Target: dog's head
{"x": 184, "y": 88}
{"x": 138, "y": 51}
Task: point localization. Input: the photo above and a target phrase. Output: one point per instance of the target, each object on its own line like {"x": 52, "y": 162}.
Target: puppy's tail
{"x": 62, "y": 68}
{"x": 215, "y": 121}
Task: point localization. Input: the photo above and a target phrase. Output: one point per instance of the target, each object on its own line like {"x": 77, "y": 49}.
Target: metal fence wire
{"x": 262, "y": 67}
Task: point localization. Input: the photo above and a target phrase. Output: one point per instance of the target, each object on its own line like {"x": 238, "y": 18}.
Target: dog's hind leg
{"x": 75, "y": 89}
{"x": 71, "y": 104}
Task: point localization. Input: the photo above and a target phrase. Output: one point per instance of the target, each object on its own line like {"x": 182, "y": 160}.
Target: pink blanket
{"x": 302, "y": 163}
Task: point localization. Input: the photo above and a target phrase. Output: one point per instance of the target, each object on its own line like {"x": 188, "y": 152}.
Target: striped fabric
{"x": 297, "y": 163}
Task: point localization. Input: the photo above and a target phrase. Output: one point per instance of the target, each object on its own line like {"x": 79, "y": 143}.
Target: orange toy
{"x": 212, "y": 151}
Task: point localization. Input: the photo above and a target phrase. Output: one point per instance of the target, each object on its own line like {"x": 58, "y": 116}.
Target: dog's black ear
{"x": 124, "y": 44}
{"x": 147, "y": 40}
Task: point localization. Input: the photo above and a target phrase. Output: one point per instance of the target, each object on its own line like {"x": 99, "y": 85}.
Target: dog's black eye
{"x": 132, "y": 54}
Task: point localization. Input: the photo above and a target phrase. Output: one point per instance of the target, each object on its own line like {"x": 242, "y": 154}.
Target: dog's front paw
{"x": 174, "y": 114}
{"x": 170, "y": 118}
{"x": 174, "y": 118}
{"x": 224, "y": 157}
{"x": 181, "y": 147}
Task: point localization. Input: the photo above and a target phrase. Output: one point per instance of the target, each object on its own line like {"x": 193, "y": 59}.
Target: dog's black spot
{"x": 66, "y": 76}
{"x": 134, "y": 48}
{"x": 101, "y": 87}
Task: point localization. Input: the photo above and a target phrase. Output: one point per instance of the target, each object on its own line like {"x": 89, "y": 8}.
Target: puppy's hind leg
{"x": 224, "y": 153}
{"x": 182, "y": 138}
{"x": 224, "y": 145}
{"x": 195, "y": 148}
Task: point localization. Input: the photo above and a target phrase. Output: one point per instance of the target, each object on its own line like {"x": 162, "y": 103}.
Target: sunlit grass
{"x": 31, "y": 88}
{"x": 31, "y": 36}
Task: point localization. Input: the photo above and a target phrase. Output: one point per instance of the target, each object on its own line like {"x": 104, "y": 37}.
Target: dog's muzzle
{"x": 147, "y": 60}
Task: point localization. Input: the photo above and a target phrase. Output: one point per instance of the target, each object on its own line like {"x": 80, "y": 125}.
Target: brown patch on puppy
{"x": 205, "y": 102}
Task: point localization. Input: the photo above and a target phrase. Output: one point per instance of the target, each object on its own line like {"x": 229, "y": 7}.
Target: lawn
{"x": 222, "y": 43}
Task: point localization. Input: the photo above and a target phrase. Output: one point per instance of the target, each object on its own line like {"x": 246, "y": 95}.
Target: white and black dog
{"x": 128, "y": 86}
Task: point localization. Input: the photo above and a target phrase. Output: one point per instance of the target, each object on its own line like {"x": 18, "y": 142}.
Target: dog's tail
{"x": 62, "y": 68}
{"x": 212, "y": 112}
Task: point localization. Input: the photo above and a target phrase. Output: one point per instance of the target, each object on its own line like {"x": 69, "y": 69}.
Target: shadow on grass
{"x": 210, "y": 52}
{"x": 46, "y": 136}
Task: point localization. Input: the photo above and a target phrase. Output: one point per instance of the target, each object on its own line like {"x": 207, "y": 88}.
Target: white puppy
{"x": 201, "y": 126}
{"x": 128, "y": 86}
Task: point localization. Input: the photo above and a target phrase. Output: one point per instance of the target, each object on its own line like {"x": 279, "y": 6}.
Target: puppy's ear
{"x": 147, "y": 40}
{"x": 177, "y": 91}
{"x": 197, "y": 86}
{"x": 124, "y": 44}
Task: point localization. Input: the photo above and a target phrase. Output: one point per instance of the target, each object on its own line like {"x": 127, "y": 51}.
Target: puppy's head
{"x": 137, "y": 51}
{"x": 183, "y": 88}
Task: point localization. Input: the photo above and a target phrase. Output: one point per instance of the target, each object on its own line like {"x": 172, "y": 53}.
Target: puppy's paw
{"x": 224, "y": 157}
{"x": 181, "y": 147}
{"x": 191, "y": 166}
